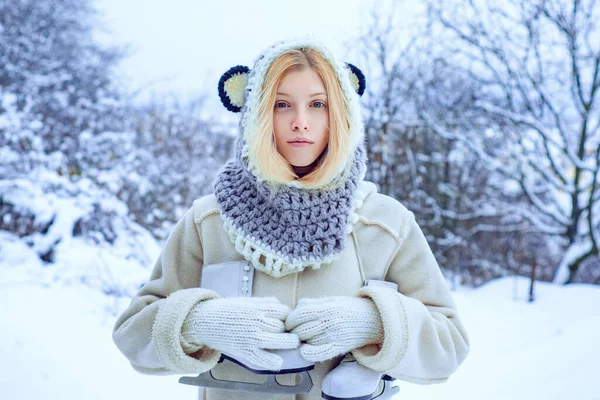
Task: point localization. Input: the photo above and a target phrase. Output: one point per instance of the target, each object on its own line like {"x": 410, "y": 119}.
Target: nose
{"x": 300, "y": 122}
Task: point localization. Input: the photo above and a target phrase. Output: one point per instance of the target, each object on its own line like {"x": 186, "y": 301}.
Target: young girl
{"x": 293, "y": 205}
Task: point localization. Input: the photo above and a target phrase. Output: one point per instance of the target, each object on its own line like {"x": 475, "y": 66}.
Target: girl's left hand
{"x": 332, "y": 326}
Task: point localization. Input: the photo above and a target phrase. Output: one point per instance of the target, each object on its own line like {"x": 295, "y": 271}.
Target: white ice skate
{"x": 353, "y": 381}
{"x": 293, "y": 363}
{"x": 235, "y": 279}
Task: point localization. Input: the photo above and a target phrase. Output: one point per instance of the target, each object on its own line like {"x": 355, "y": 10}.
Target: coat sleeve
{"x": 148, "y": 332}
{"x": 424, "y": 339}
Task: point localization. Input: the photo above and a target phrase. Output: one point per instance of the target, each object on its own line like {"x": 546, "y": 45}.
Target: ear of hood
{"x": 240, "y": 86}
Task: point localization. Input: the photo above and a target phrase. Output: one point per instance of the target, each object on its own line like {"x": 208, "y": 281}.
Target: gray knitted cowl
{"x": 284, "y": 228}
{"x": 287, "y": 229}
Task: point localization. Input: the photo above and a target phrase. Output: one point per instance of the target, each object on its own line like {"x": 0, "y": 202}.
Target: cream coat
{"x": 424, "y": 342}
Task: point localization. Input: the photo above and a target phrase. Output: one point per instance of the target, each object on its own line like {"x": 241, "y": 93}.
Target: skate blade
{"x": 388, "y": 390}
{"x": 270, "y": 386}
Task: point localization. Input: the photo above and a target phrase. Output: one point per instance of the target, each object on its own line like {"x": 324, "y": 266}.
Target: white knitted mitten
{"x": 332, "y": 326}
{"x": 241, "y": 326}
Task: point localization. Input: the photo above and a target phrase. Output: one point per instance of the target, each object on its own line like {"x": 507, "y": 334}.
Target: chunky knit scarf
{"x": 285, "y": 230}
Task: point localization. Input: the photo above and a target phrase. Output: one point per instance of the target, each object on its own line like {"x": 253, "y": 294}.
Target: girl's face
{"x": 301, "y": 117}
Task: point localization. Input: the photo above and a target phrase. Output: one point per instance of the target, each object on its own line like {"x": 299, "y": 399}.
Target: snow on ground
{"x": 547, "y": 349}
{"x": 56, "y": 344}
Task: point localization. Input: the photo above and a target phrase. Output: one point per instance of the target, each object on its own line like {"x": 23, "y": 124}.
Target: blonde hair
{"x": 273, "y": 166}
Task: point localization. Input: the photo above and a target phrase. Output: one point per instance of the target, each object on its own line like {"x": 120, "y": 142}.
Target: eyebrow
{"x": 312, "y": 95}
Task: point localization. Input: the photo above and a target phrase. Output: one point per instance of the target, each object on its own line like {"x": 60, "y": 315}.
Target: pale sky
{"x": 184, "y": 46}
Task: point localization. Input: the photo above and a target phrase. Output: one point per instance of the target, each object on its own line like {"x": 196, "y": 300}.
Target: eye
{"x": 279, "y": 103}
{"x": 322, "y": 105}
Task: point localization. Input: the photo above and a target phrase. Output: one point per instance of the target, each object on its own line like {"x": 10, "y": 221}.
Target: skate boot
{"x": 235, "y": 278}
{"x": 353, "y": 381}
{"x": 293, "y": 363}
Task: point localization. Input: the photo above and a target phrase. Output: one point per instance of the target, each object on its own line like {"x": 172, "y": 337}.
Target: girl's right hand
{"x": 244, "y": 326}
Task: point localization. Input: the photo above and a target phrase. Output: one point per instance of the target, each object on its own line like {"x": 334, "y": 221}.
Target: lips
{"x": 300, "y": 140}
{"x": 300, "y": 143}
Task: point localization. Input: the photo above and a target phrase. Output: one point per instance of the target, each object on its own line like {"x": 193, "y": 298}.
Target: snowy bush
{"x": 80, "y": 232}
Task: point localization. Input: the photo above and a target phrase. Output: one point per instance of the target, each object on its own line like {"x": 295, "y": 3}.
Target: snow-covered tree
{"x": 536, "y": 66}
{"x": 167, "y": 156}
{"x": 61, "y": 79}
{"x": 56, "y": 86}
{"x": 437, "y": 177}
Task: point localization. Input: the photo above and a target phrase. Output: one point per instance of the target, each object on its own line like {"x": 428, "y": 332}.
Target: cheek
{"x": 277, "y": 129}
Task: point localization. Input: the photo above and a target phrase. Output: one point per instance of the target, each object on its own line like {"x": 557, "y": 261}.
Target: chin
{"x": 300, "y": 163}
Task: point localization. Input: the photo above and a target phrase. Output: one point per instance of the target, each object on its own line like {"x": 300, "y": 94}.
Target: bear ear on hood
{"x": 231, "y": 87}
{"x": 233, "y": 83}
{"x": 357, "y": 78}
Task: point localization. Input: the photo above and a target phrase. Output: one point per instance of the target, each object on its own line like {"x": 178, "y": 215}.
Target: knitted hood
{"x": 284, "y": 228}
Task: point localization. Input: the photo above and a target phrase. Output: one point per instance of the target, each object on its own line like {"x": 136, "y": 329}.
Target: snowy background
{"x": 56, "y": 343}
{"x": 481, "y": 117}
